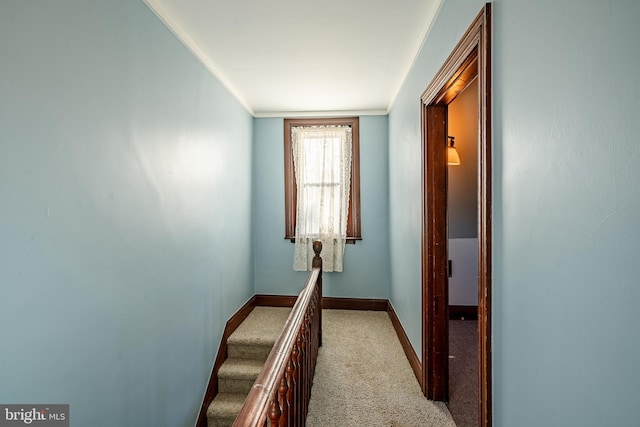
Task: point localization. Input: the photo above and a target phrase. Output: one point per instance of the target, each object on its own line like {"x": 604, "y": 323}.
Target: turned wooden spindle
{"x": 317, "y": 263}
{"x": 295, "y": 356}
{"x": 282, "y": 400}
{"x": 301, "y": 376}
{"x": 307, "y": 363}
{"x": 290, "y": 391}
{"x": 274, "y": 412}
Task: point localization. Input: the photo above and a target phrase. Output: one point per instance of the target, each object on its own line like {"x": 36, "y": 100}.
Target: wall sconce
{"x": 452, "y": 154}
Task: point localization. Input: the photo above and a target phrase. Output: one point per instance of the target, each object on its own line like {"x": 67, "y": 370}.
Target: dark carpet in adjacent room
{"x": 463, "y": 372}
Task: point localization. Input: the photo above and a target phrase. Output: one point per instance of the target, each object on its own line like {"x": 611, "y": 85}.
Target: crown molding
{"x": 430, "y": 21}
{"x": 321, "y": 114}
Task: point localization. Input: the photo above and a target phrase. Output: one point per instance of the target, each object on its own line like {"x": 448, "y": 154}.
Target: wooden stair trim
{"x": 275, "y": 300}
{"x": 212, "y": 388}
{"x": 338, "y": 303}
{"x": 368, "y": 304}
{"x": 412, "y": 356}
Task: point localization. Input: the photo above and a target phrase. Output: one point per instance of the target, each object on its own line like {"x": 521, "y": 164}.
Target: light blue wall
{"x": 566, "y": 206}
{"x": 125, "y": 199}
{"x": 567, "y": 213}
{"x": 366, "y": 265}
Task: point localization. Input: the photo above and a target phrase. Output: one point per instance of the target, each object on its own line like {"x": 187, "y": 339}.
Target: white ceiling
{"x": 298, "y": 57}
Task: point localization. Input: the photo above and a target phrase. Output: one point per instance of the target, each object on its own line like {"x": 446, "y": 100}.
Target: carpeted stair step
{"x": 247, "y": 349}
{"x": 238, "y": 375}
{"x": 255, "y": 337}
{"x": 224, "y": 409}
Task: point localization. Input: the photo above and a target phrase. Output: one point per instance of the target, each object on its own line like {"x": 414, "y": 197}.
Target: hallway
{"x": 363, "y": 377}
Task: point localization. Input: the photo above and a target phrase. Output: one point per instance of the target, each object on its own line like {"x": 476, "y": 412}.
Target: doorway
{"x": 462, "y": 222}
{"x": 470, "y": 59}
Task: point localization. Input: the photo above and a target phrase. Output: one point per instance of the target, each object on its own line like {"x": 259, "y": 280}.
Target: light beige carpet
{"x": 363, "y": 377}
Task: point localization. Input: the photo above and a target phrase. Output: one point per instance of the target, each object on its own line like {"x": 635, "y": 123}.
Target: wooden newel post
{"x": 317, "y": 248}
{"x": 317, "y": 262}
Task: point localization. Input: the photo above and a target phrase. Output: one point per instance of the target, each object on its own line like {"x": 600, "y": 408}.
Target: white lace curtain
{"x": 322, "y": 163}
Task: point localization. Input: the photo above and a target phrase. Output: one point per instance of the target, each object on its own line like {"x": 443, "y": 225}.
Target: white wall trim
{"x": 320, "y": 114}
{"x": 421, "y": 41}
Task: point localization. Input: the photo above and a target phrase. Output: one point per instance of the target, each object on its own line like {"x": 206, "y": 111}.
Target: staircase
{"x": 247, "y": 349}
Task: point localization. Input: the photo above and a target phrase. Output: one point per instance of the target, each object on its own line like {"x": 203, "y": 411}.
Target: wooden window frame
{"x": 354, "y": 230}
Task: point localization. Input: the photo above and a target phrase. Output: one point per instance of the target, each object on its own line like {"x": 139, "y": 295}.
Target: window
{"x": 353, "y": 217}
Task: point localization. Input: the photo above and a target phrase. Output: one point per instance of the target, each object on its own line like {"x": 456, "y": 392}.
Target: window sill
{"x": 350, "y": 240}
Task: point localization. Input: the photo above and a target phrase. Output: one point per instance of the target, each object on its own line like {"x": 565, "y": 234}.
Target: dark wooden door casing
{"x": 470, "y": 58}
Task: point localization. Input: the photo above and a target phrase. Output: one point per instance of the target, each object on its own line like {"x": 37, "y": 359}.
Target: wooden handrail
{"x": 280, "y": 394}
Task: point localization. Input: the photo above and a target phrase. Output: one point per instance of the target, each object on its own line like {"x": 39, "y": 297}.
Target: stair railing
{"x": 280, "y": 395}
